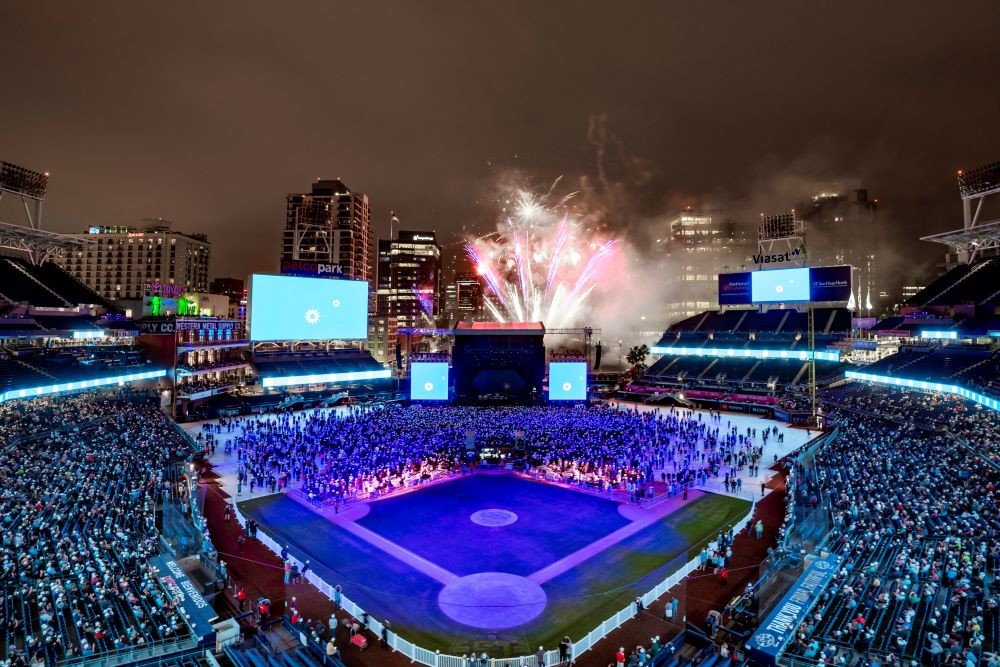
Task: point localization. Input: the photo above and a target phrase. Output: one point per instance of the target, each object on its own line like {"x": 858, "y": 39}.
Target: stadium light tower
{"x": 782, "y": 233}
{"x": 976, "y": 236}
{"x": 29, "y": 185}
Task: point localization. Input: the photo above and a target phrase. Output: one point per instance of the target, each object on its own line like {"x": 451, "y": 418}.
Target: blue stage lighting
{"x": 429, "y": 381}
{"x": 568, "y": 381}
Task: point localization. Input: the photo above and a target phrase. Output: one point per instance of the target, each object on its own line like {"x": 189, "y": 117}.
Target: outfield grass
{"x": 577, "y": 600}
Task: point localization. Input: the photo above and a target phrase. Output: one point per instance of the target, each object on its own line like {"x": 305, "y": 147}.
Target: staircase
{"x": 750, "y": 372}
{"x": 975, "y": 269}
{"x": 34, "y": 368}
{"x": 704, "y": 316}
{"x": 707, "y": 368}
{"x": 829, "y": 320}
{"x": 781, "y": 324}
{"x": 39, "y": 283}
{"x": 798, "y": 376}
{"x": 986, "y": 359}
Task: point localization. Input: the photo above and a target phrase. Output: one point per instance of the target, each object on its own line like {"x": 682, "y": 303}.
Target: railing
{"x": 171, "y": 647}
{"x": 436, "y": 659}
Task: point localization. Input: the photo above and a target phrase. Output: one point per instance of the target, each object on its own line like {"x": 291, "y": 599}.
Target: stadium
{"x": 785, "y": 483}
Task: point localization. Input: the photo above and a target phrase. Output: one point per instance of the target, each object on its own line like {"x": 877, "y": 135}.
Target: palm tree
{"x": 636, "y": 357}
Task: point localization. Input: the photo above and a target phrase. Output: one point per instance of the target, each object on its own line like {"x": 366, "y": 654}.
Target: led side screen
{"x": 568, "y": 381}
{"x": 744, "y": 353}
{"x": 779, "y": 286}
{"x": 429, "y": 381}
{"x": 292, "y": 308}
{"x": 325, "y": 378}
{"x": 950, "y": 335}
{"x": 906, "y": 383}
{"x": 79, "y": 384}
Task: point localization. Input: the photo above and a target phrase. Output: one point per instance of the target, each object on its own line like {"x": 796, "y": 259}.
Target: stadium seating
{"x": 915, "y": 537}
{"x": 976, "y": 284}
{"x": 965, "y": 365}
{"x": 786, "y": 321}
{"x": 336, "y": 361}
{"x": 84, "y": 507}
{"x": 28, "y": 366}
{"x": 15, "y": 374}
{"x": 44, "y": 286}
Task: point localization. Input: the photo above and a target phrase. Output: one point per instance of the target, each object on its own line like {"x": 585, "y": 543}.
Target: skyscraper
{"x": 409, "y": 278}
{"x": 842, "y": 228}
{"x": 331, "y": 225}
{"x": 701, "y": 248}
{"x": 464, "y": 298}
{"x": 123, "y": 262}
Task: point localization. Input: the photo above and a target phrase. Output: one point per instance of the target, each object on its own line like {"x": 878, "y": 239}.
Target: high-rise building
{"x": 843, "y": 229}
{"x": 700, "y": 249}
{"x": 409, "y": 278}
{"x": 129, "y": 262}
{"x": 331, "y": 225}
{"x": 381, "y": 341}
{"x": 464, "y": 298}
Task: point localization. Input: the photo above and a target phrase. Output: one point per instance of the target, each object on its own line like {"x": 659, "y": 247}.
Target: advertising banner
{"x": 185, "y": 593}
{"x": 830, "y": 283}
{"x": 779, "y": 627}
{"x": 734, "y": 288}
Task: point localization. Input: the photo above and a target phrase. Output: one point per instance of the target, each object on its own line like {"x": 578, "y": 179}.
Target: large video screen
{"x": 292, "y": 308}
{"x": 825, "y": 284}
{"x": 568, "y": 381}
{"x": 429, "y": 381}
{"x": 779, "y": 285}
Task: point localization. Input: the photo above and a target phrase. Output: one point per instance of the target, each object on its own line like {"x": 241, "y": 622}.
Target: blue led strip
{"x": 949, "y": 335}
{"x": 325, "y": 378}
{"x": 974, "y": 396}
{"x": 79, "y": 384}
{"x": 745, "y": 353}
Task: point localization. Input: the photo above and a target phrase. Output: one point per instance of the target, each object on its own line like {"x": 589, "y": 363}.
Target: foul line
{"x": 599, "y": 546}
{"x": 418, "y": 563}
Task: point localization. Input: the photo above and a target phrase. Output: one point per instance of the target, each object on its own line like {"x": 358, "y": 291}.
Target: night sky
{"x": 208, "y": 114}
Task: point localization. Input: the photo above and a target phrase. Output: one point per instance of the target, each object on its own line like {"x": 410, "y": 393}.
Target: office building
{"x": 409, "y": 278}
{"x": 331, "y": 225}
{"x": 700, "y": 248}
{"x": 128, "y": 263}
{"x": 382, "y": 341}
{"x": 464, "y": 298}
{"x": 843, "y": 229}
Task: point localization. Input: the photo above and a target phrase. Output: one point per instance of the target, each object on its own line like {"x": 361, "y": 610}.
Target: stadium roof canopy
{"x": 975, "y": 239}
{"x": 40, "y": 245}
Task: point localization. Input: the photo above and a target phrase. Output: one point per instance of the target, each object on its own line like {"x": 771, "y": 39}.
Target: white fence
{"x": 436, "y": 659}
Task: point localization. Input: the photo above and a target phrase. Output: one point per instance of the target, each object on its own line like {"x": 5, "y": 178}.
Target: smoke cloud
{"x": 618, "y": 198}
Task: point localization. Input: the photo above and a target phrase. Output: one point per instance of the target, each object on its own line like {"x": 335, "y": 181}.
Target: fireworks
{"x": 541, "y": 264}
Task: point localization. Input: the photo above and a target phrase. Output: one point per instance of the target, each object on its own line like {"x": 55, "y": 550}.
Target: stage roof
{"x": 499, "y": 328}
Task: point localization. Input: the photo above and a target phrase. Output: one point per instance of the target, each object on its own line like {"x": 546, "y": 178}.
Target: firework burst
{"x": 541, "y": 264}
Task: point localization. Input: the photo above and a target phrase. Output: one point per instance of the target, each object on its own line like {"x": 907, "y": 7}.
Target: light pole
{"x": 619, "y": 357}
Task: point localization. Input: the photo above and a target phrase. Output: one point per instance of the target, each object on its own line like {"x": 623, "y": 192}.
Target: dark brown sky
{"x": 207, "y": 114}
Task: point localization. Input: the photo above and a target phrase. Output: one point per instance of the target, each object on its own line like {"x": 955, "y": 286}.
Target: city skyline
{"x": 208, "y": 124}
